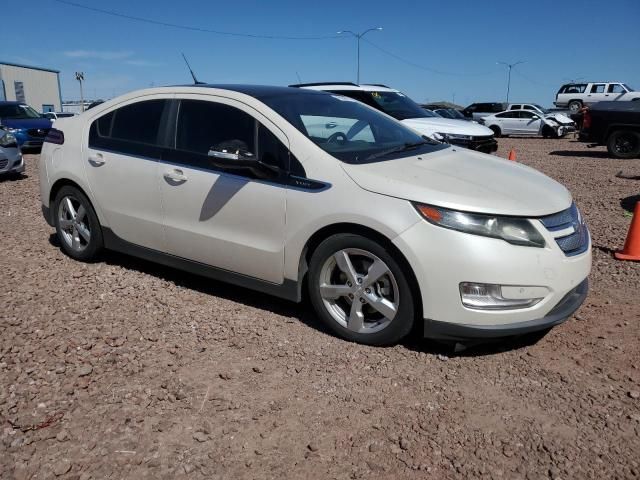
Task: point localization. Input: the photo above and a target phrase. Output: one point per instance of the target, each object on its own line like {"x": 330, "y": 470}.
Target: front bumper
{"x": 460, "y": 332}
{"x": 480, "y": 144}
{"x": 442, "y": 259}
{"x": 11, "y": 161}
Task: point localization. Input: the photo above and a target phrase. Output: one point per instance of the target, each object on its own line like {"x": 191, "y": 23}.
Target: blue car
{"x": 27, "y": 125}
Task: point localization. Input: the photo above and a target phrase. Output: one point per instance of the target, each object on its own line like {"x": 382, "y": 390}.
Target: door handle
{"x": 175, "y": 175}
{"x": 331, "y": 125}
{"x": 96, "y": 159}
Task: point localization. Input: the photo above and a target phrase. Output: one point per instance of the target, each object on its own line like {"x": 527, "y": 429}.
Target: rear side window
{"x": 516, "y": 107}
{"x": 132, "y": 129}
{"x": 574, "y": 88}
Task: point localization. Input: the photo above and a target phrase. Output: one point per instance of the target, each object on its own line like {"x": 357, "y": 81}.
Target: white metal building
{"x": 36, "y": 86}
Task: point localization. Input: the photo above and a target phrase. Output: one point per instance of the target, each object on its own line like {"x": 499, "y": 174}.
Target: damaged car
{"x": 526, "y": 122}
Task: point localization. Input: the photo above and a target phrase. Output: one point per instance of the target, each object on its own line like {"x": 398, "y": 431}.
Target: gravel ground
{"x": 123, "y": 369}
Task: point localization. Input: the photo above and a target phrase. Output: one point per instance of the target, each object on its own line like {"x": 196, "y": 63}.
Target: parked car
{"x": 383, "y": 227}
{"x": 53, "y": 116}
{"x": 11, "y": 161}
{"x": 575, "y": 95}
{"x": 568, "y": 123}
{"x": 525, "y": 122}
{"x": 402, "y": 108}
{"x": 451, "y": 113}
{"x": 25, "y": 123}
{"x": 475, "y": 111}
{"x": 614, "y": 124}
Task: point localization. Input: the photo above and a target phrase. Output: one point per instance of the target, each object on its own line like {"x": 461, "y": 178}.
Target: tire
{"x": 548, "y": 132}
{"x": 624, "y": 144}
{"x": 381, "y": 313}
{"x": 77, "y": 226}
{"x": 575, "y": 106}
{"x": 496, "y": 131}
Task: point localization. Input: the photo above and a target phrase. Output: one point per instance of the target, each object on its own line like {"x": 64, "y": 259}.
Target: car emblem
{"x": 40, "y": 131}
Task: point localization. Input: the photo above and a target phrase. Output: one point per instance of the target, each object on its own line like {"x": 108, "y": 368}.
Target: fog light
{"x": 488, "y": 296}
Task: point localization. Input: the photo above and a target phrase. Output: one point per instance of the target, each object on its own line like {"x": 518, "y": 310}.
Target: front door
{"x": 229, "y": 220}
{"x": 122, "y": 163}
{"x": 530, "y": 123}
{"x": 597, "y": 93}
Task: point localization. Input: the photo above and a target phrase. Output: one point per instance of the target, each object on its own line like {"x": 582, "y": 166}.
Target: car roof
{"x": 346, "y": 86}
{"x": 256, "y": 91}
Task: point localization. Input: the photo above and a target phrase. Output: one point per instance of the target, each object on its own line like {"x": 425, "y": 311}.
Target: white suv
{"x": 575, "y": 95}
{"x": 382, "y": 227}
{"x": 397, "y": 105}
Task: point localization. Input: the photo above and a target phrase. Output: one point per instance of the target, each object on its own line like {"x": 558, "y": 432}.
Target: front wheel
{"x": 77, "y": 225}
{"x": 624, "y": 144}
{"x": 360, "y": 291}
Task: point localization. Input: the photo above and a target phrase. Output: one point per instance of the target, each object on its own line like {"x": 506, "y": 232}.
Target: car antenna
{"x": 193, "y": 75}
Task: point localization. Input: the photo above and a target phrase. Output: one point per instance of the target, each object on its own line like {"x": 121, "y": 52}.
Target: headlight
{"x": 452, "y": 136}
{"x": 7, "y": 139}
{"x": 517, "y": 231}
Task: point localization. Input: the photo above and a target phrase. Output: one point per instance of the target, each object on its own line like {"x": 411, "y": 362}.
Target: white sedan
{"x": 524, "y": 122}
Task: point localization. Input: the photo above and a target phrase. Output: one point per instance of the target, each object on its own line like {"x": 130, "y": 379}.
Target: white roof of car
{"x": 362, "y": 87}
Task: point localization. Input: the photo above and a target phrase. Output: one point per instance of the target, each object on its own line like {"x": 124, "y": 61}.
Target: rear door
{"x": 227, "y": 219}
{"x": 121, "y": 162}
{"x": 508, "y": 122}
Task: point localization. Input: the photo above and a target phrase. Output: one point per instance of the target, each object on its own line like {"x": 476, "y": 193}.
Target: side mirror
{"x": 239, "y": 160}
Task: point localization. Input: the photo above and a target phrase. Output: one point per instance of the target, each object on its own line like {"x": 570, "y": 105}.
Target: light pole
{"x": 80, "y": 78}
{"x": 510, "y": 65}
{"x": 358, "y": 37}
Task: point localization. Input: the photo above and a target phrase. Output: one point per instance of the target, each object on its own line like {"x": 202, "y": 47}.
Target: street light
{"x": 359, "y": 36}
{"x": 80, "y": 78}
{"x": 510, "y": 65}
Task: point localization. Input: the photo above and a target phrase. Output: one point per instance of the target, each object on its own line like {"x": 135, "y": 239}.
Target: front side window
{"x": 347, "y": 129}
{"x": 526, "y": 114}
{"x": 203, "y": 126}
{"x": 616, "y": 88}
{"x": 507, "y": 115}
{"x": 597, "y": 88}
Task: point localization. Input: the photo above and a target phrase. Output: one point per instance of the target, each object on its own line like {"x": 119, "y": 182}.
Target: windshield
{"x": 628, "y": 87}
{"x": 348, "y": 129}
{"x": 399, "y": 105}
{"x": 456, "y": 114}
{"x": 18, "y": 112}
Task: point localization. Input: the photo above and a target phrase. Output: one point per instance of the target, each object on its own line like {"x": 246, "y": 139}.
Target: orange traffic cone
{"x": 512, "y": 155}
{"x": 631, "y": 250}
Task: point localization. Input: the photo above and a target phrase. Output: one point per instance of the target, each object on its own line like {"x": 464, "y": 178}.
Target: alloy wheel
{"x": 626, "y": 144}
{"x": 359, "y": 290}
{"x": 74, "y": 223}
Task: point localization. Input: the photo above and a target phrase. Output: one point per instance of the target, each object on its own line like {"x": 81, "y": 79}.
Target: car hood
{"x": 560, "y": 118}
{"x": 26, "y": 123}
{"x": 430, "y": 125}
{"x": 465, "y": 180}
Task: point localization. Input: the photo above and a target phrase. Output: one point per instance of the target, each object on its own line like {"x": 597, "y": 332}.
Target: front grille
{"x": 577, "y": 241}
{"x": 38, "y": 132}
{"x": 3, "y": 163}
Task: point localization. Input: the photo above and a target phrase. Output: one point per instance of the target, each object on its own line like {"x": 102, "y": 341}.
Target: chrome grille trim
{"x": 569, "y": 220}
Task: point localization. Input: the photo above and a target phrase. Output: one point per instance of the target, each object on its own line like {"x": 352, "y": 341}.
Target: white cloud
{"x": 98, "y": 54}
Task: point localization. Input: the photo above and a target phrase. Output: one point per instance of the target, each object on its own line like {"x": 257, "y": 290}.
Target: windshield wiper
{"x": 398, "y": 148}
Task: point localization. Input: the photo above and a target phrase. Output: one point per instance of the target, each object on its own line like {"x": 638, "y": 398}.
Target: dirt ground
{"x": 124, "y": 369}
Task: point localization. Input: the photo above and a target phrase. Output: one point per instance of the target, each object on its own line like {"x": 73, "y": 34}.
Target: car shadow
{"x": 12, "y": 177}
{"x": 629, "y": 203}
{"x": 303, "y": 311}
{"x": 582, "y": 153}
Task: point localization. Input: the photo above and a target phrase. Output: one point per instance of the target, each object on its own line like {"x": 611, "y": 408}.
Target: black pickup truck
{"x": 614, "y": 124}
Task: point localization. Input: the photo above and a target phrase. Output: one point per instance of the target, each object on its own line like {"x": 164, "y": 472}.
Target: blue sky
{"x": 454, "y": 44}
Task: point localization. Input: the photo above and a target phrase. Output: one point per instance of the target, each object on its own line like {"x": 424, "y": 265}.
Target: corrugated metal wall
{"x": 40, "y": 87}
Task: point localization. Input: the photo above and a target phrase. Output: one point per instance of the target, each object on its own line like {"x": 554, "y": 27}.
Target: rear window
{"x": 573, "y": 88}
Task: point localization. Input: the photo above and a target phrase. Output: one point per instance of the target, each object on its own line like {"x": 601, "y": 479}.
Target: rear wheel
{"x": 496, "y": 131}
{"x": 360, "y": 291}
{"x": 624, "y": 144}
{"x": 77, "y": 225}
{"x": 575, "y": 106}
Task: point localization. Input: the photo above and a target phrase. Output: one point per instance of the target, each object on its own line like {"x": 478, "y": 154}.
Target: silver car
{"x": 10, "y": 157}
